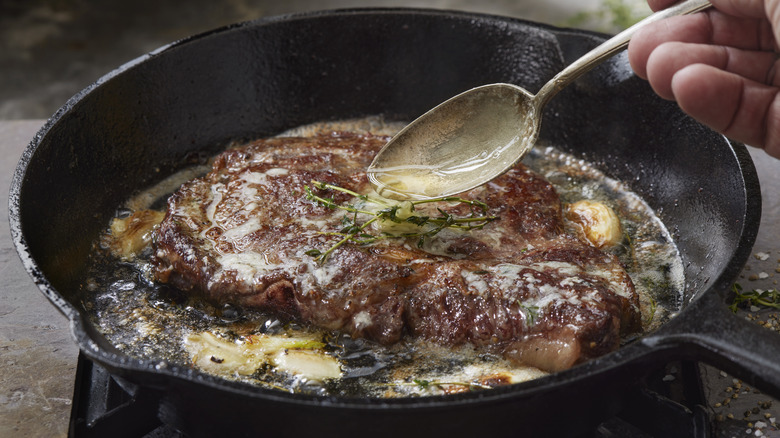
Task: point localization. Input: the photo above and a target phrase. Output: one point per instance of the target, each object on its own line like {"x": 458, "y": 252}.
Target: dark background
{"x": 51, "y": 49}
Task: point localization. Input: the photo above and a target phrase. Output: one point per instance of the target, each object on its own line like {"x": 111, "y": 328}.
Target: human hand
{"x": 721, "y": 66}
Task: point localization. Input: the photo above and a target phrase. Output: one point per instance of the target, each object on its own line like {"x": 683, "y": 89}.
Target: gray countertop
{"x": 38, "y": 354}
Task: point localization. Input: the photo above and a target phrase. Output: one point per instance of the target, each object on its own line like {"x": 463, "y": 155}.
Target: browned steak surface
{"x": 519, "y": 286}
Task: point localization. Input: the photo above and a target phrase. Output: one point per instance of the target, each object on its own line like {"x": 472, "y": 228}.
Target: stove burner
{"x": 104, "y": 405}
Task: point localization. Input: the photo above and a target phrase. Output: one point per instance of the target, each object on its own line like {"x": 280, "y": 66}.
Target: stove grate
{"x": 659, "y": 407}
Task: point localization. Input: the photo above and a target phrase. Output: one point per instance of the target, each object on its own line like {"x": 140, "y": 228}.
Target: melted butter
{"x": 418, "y": 182}
{"x": 145, "y": 321}
{"x": 241, "y": 231}
{"x": 247, "y": 265}
{"x": 406, "y": 182}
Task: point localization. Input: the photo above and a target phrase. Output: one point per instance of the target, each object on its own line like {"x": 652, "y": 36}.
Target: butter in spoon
{"x": 478, "y": 135}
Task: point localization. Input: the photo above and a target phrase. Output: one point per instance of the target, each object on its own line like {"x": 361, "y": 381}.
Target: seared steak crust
{"x": 520, "y": 286}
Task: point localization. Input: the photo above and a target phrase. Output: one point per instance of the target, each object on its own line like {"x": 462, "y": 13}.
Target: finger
{"x": 657, "y": 5}
{"x": 668, "y": 58}
{"x": 711, "y": 27}
{"x": 743, "y": 8}
{"x": 739, "y": 108}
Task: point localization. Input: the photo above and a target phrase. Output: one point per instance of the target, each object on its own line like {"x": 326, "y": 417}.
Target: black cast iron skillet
{"x": 151, "y": 116}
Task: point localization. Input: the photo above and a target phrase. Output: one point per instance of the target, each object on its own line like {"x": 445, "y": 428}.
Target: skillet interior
{"x": 187, "y": 100}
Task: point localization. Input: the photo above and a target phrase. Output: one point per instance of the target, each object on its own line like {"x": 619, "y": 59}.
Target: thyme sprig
{"x": 424, "y": 385}
{"x": 359, "y": 232}
{"x": 760, "y": 298}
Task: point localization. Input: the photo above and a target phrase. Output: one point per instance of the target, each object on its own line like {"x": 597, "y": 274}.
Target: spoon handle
{"x": 611, "y": 47}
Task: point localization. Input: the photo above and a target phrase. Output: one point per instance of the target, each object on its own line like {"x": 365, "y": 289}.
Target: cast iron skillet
{"x": 153, "y": 115}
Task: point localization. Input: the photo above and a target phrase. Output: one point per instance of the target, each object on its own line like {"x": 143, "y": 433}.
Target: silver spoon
{"x": 478, "y": 135}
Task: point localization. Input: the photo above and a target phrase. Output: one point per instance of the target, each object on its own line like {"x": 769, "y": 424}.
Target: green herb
{"x": 423, "y": 384}
{"x": 359, "y": 232}
{"x": 611, "y": 16}
{"x": 651, "y": 313}
{"x": 761, "y": 298}
{"x": 531, "y": 313}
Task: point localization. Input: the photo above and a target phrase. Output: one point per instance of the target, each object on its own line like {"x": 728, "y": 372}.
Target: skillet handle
{"x": 710, "y": 332}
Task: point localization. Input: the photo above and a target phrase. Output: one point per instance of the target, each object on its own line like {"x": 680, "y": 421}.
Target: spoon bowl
{"x": 462, "y": 140}
{"x": 481, "y": 133}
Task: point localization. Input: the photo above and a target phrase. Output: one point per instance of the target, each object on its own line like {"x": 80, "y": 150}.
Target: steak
{"x": 520, "y": 286}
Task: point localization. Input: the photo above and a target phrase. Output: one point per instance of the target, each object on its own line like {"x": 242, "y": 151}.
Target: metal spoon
{"x": 478, "y": 135}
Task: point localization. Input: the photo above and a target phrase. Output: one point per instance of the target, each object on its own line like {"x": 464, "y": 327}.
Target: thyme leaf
{"x": 352, "y": 230}
{"x": 314, "y": 252}
{"x": 756, "y": 297}
{"x": 423, "y": 384}
{"x": 531, "y": 313}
